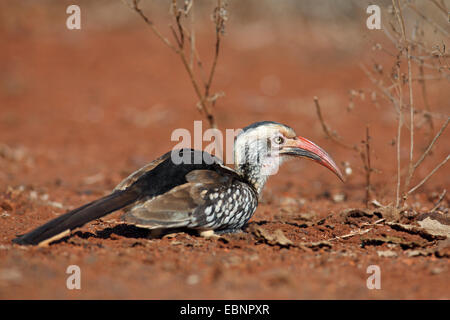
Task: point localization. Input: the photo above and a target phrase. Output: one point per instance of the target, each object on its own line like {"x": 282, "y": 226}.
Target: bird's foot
{"x": 209, "y": 234}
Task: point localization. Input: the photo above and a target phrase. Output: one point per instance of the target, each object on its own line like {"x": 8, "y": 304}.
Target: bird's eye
{"x": 279, "y": 140}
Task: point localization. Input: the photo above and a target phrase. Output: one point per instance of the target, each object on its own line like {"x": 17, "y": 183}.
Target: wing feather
{"x": 128, "y": 181}
{"x": 182, "y": 205}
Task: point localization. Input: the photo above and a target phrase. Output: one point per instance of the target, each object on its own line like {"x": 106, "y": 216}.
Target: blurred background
{"x": 81, "y": 109}
{"x": 112, "y": 93}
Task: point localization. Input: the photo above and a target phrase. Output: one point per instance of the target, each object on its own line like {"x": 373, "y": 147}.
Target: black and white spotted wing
{"x": 209, "y": 200}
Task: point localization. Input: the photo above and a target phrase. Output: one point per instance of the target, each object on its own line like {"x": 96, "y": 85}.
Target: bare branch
{"x": 365, "y": 157}
{"x": 136, "y": 8}
{"x": 383, "y": 89}
{"x": 328, "y": 133}
{"x": 431, "y": 22}
{"x": 407, "y": 46}
{"x": 206, "y": 101}
{"x": 399, "y": 131}
{"x": 399, "y": 134}
{"x": 422, "y": 82}
{"x": 192, "y": 38}
{"x": 415, "y": 51}
{"x": 427, "y": 151}
{"x": 429, "y": 175}
{"x": 441, "y": 197}
{"x": 363, "y": 151}
{"x": 219, "y": 21}
{"x": 437, "y": 4}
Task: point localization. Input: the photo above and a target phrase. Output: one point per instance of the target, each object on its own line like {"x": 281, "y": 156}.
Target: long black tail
{"x": 58, "y": 227}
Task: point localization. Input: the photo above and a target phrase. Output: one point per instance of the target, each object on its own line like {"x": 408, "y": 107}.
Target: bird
{"x": 192, "y": 189}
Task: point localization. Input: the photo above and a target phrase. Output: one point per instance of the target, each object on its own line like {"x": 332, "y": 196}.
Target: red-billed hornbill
{"x": 197, "y": 192}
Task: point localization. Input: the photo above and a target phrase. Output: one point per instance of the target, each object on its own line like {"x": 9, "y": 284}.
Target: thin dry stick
{"x": 399, "y": 130}
{"x": 359, "y": 231}
{"x": 434, "y": 115}
{"x": 383, "y": 89}
{"x": 203, "y": 105}
{"x": 431, "y": 22}
{"x": 437, "y": 4}
{"x": 399, "y": 134}
{"x": 407, "y": 46}
{"x": 179, "y": 35}
{"x": 422, "y": 78}
{"x": 367, "y": 167}
{"x": 364, "y": 153}
{"x": 411, "y": 112}
{"x": 219, "y": 26}
{"x": 425, "y": 96}
{"x": 192, "y": 37}
{"x": 427, "y": 151}
{"x": 429, "y": 175}
{"x": 438, "y": 203}
{"x": 136, "y": 8}
{"x": 328, "y": 133}
{"x": 365, "y": 158}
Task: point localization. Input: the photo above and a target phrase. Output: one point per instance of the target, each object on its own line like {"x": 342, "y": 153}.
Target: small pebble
{"x": 193, "y": 279}
{"x": 387, "y": 254}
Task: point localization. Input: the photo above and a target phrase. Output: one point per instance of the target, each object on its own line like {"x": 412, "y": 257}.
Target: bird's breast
{"x": 229, "y": 207}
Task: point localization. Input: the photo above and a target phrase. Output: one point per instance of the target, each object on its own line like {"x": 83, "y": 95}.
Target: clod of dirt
{"x": 275, "y": 238}
{"x": 390, "y": 213}
{"x": 6, "y": 205}
{"x": 434, "y": 227}
{"x": 408, "y": 215}
{"x": 443, "y": 249}
{"x": 318, "y": 244}
{"x": 357, "y": 216}
{"x": 417, "y": 253}
{"x": 412, "y": 229}
{"x": 306, "y": 216}
{"x": 290, "y": 205}
{"x": 235, "y": 238}
{"x": 404, "y": 244}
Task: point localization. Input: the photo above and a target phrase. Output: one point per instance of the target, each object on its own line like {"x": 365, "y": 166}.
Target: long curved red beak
{"x": 302, "y": 147}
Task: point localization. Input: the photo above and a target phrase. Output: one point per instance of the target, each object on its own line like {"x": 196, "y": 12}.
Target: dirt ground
{"x": 80, "y": 110}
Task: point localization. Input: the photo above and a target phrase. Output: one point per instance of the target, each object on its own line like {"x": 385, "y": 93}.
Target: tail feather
{"x": 77, "y": 217}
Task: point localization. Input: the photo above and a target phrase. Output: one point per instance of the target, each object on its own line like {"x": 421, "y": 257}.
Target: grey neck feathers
{"x": 253, "y": 175}
{"x": 249, "y": 163}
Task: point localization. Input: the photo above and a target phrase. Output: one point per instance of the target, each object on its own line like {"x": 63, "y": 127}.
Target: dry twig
{"x": 394, "y": 93}
{"x": 180, "y": 33}
{"x": 438, "y": 203}
{"x": 428, "y": 176}
{"x": 363, "y": 151}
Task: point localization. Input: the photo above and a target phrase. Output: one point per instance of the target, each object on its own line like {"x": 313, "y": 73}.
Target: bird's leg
{"x": 156, "y": 233}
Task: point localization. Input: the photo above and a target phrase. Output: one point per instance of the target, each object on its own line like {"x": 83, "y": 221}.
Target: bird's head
{"x": 262, "y": 147}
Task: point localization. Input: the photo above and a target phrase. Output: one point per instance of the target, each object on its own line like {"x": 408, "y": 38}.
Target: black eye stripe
{"x": 269, "y": 144}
